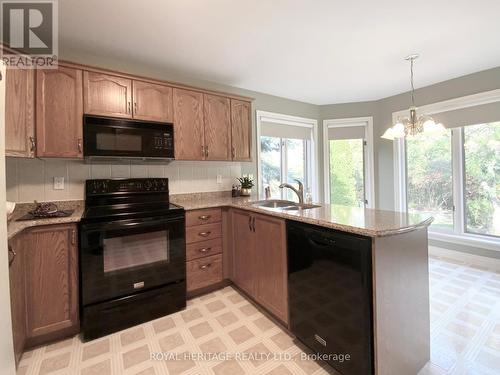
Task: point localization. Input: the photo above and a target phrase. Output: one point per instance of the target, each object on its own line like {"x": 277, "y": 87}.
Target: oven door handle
{"x": 124, "y": 224}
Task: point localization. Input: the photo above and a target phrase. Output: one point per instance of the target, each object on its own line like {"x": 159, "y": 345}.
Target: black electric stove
{"x": 132, "y": 254}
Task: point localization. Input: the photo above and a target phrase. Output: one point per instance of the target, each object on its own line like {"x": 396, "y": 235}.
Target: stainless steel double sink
{"x": 283, "y": 205}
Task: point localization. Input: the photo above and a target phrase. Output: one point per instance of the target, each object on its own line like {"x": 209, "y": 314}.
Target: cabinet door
{"x": 244, "y": 267}
{"x": 152, "y": 102}
{"x": 51, "y": 280}
{"x": 107, "y": 95}
{"x": 19, "y": 113}
{"x": 241, "y": 130}
{"x": 217, "y": 111}
{"x": 59, "y": 112}
{"x": 188, "y": 125}
{"x": 17, "y": 295}
{"x": 270, "y": 253}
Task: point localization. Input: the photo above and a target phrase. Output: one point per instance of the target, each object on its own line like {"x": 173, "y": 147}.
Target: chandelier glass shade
{"x": 413, "y": 124}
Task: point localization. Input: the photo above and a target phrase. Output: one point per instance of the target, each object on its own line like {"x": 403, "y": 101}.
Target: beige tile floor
{"x": 465, "y": 336}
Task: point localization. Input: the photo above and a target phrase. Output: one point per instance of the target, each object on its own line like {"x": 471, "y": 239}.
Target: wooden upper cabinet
{"x": 51, "y": 277}
{"x": 244, "y": 263}
{"x": 107, "y": 95}
{"x": 188, "y": 125}
{"x": 59, "y": 112}
{"x": 241, "y": 129}
{"x": 217, "y": 113}
{"x": 271, "y": 258}
{"x": 19, "y": 113}
{"x": 152, "y": 102}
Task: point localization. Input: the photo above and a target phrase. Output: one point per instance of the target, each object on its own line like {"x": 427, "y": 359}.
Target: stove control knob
{"x": 148, "y": 185}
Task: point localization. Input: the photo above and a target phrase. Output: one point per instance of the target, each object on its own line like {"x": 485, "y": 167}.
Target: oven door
{"x": 105, "y": 137}
{"x": 123, "y": 257}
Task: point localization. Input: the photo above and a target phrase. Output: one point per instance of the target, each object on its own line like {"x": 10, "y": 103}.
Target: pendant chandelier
{"x": 413, "y": 125}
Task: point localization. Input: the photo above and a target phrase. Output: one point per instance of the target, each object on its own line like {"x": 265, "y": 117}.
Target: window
{"x": 456, "y": 179}
{"x": 430, "y": 179}
{"x": 348, "y": 161}
{"x": 285, "y": 153}
{"x": 347, "y": 185}
{"x": 270, "y": 164}
{"x": 482, "y": 178}
{"x": 282, "y": 160}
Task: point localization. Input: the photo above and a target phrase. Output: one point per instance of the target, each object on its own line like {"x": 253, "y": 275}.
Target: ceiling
{"x": 316, "y": 51}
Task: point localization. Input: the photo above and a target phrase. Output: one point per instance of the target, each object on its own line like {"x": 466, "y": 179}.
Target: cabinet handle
{"x": 13, "y": 253}
{"x": 128, "y": 107}
{"x": 204, "y": 217}
{"x": 80, "y": 145}
{"x": 204, "y": 234}
{"x": 205, "y": 266}
{"x": 206, "y": 151}
{"x": 135, "y": 107}
{"x": 205, "y": 250}
{"x": 73, "y": 237}
{"x": 233, "y": 152}
{"x": 253, "y": 223}
{"x": 250, "y": 223}
{"x": 32, "y": 144}
{"x": 203, "y": 151}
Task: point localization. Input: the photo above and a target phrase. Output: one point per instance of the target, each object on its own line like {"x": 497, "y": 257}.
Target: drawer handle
{"x": 204, "y": 234}
{"x": 205, "y": 266}
{"x": 204, "y": 217}
{"x": 205, "y": 250}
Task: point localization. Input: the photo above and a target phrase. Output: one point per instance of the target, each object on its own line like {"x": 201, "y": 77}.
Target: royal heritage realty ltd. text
{"x": 248, "y": 356}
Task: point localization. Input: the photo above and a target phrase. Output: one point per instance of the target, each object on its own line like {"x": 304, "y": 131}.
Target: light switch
{"x": 58, "y": 183}
{"x": 219, "y": 179}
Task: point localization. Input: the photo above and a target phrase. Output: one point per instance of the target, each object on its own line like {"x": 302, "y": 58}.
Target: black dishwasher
{"x": 330, "y": 295}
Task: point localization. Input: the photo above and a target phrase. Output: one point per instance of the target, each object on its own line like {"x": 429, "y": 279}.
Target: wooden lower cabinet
{"x": 51, "y": 282}
{"x": 17, "y": 295}
{"x": 203, "y": 272}
{"x": 271, "y": 262}
{"x": 260, "y": 260}
{"x": 244, "y": 260}
{"x": 203, "y": 249}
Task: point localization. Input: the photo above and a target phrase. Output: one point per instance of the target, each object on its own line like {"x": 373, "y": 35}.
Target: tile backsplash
{"x": 33, "y": 179}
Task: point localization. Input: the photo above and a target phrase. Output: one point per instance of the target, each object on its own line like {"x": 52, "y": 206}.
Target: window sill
{"x": 466, "y": 239}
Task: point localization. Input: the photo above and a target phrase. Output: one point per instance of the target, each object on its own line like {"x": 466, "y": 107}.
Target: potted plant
{"x": 246, "y": 185}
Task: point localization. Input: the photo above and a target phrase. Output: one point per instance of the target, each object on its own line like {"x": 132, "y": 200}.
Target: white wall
{"x": 32, "y": 179}
{"x": 7, "y": 362}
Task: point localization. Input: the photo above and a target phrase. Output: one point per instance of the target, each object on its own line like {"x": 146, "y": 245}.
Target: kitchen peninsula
{"x": 247, "y": 245}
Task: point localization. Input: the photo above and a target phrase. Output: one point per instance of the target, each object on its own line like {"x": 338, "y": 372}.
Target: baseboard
{"x": 492, "y": 264}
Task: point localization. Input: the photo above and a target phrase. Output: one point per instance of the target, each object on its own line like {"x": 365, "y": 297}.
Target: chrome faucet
{"x": 267, "y": 192}
{"x": 299, "y": 191}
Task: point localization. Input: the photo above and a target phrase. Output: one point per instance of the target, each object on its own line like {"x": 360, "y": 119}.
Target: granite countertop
{"x": 364, "y": 221}
{"x": 15, "y": 227}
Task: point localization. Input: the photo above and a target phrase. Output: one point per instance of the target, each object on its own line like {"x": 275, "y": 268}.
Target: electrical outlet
{"x": 58, "y": 183}
{"x": 219, "y": 179}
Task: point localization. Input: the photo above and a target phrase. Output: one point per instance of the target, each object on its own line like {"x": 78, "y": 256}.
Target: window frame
{"x": 459, "y": 235}
{"x": 311, "y": 170}
{"x": 369, "y": 174}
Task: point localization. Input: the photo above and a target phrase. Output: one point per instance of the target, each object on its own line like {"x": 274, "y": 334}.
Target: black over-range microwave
{"x": 108, "y": 138}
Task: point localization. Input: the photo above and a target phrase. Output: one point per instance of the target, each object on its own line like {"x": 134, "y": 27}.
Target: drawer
{"x": 199, "y": 217}
{"x": 202, "y": 249}
{"x": 203, "y": 232}
{"x": 203, "y": 272}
